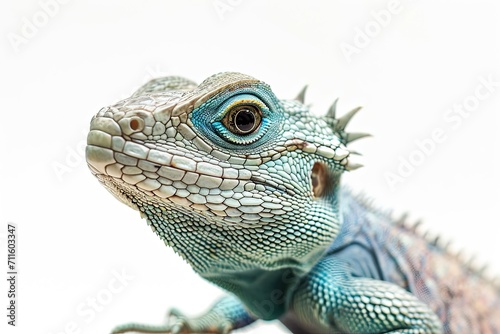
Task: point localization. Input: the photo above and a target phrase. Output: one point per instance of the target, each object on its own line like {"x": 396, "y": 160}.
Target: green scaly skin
{"x": 246, "y": 188}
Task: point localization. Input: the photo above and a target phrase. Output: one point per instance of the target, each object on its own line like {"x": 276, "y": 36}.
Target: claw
{"x": 177, "y": 327}
{"x": 225, "y": 327}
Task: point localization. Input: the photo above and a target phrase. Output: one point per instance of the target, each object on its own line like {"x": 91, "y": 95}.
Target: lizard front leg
{"x": 226, "y": 314}
{"x": 339, "y": 302}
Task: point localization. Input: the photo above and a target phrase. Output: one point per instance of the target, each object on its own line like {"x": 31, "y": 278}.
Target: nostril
{"x": 131, "y": 125}
{"x": 134, "y": 124}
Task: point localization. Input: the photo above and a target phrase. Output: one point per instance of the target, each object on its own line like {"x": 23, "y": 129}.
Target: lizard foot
{"x": 178, "y": 323}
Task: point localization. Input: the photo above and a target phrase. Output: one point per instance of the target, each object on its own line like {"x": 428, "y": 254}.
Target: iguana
{"x": 246, "y": 188}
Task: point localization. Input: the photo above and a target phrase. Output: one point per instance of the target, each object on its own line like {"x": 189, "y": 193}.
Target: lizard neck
{"x": 266, "y": 294}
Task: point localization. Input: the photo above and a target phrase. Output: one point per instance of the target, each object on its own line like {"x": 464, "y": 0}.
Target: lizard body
{"x": 246, "y": 188}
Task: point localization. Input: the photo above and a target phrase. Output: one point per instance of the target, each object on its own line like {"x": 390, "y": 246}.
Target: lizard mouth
{"x": 179, "y": 178}
{"x": 272, "y": 185}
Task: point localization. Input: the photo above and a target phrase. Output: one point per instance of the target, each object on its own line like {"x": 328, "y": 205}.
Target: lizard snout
{"x": 105, "y": 135}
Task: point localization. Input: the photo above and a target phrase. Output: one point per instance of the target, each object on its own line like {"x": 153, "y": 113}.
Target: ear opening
{"x": 322, "y": 180}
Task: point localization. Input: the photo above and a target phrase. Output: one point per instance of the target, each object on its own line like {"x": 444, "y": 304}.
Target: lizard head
{"x": 224, "y": 172}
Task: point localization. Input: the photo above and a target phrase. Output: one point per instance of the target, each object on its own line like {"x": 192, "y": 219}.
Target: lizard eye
{"x": 242, "y": 119}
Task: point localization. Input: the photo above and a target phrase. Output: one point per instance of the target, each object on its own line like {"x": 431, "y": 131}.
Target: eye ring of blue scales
{"x": 165, "y": 152}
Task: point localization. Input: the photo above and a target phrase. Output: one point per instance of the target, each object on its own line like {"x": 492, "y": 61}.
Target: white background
{"x": 72, "y": 234}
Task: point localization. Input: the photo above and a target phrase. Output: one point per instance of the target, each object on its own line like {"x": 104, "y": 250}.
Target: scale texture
{"x": 246, "y": 188}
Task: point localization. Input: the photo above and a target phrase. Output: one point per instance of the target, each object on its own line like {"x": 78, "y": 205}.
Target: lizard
{"x": 247, "y": 189}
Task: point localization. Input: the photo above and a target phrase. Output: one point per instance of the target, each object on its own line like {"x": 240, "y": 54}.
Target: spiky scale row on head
{"x": 338, "y": 125}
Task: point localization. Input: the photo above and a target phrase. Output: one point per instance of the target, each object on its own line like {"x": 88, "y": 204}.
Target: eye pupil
{"x": 244, "y": 120}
